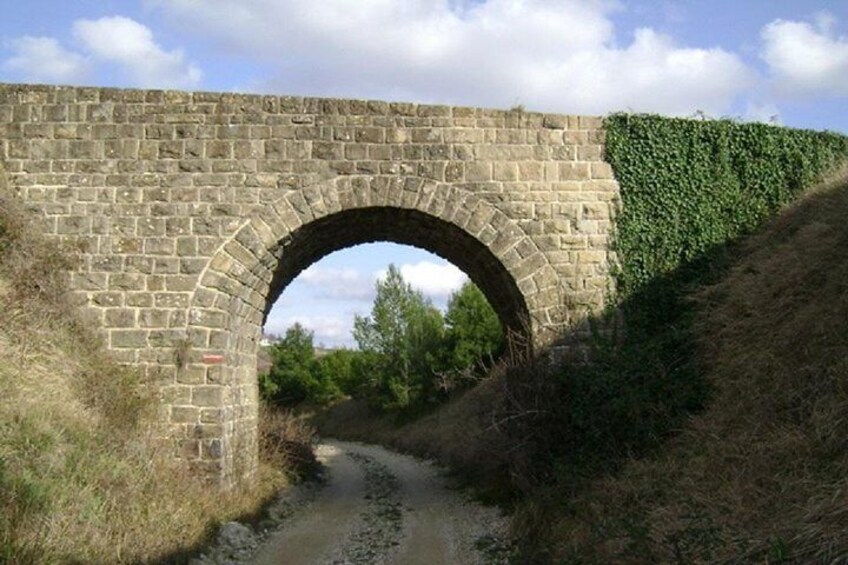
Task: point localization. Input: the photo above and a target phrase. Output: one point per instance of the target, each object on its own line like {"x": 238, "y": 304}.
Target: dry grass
{"x": 285, "y": 442}
{"x": 762, "y": 474}
{"x": 81, "y": 480}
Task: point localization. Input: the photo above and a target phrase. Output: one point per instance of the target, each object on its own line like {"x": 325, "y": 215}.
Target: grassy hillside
{"x": 81, "y": 479}
{"x": 762, "y": 474}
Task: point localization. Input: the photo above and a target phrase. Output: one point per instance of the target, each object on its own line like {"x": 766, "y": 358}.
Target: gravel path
{"x": 374, "y": 506}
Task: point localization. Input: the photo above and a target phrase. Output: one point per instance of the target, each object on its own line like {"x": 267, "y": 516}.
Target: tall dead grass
{"x": 81, "y": 479}
{"x": 762, "y": 474}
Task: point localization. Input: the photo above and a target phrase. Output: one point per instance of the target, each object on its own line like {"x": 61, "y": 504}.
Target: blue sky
{"x": 783, "y": 61}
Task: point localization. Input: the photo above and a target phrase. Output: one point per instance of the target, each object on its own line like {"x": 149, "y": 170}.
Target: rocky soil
{"x": 371, "y": 506}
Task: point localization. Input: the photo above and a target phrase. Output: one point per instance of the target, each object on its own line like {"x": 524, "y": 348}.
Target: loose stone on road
{"x": 376, "y": 506}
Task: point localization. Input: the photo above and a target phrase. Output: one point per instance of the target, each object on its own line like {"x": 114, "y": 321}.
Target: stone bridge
{"x": 191, "y": 213}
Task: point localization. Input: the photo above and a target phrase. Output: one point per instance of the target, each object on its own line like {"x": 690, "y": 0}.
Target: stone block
{"x": 185, "y": 414}
{"x": 119, "y": 318}
{"x": 574, "y": 171}
{"x": 596, "y": 211}
{"x": 601, "y": 171}
{"x": 127, "y": 281}
{"x": 159, "y": 246}
{"x": 327, "y": 150}
{"x": 171, "y": 149}
{"x": 553, "y": 121}
{"x": 207, "y": 396}
{"x": 478, "y": 171}
{"x": 180, "y": 283}
{"x": 171, "y": 300}
{"x": 121, "y": 339}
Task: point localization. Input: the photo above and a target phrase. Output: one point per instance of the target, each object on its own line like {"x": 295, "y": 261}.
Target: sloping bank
{"x": 81, "y": 480}
{"x": 736, "y": 339}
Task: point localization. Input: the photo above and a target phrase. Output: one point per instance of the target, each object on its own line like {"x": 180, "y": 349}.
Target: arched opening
{"x": 250, "y": 271}
{"x": 410, "y": 227}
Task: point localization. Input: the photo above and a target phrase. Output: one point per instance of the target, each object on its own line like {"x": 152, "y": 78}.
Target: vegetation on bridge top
{"x": 688, "y": 186}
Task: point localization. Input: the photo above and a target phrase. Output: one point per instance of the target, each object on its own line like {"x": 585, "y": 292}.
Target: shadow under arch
{"x": 250, "y": 270}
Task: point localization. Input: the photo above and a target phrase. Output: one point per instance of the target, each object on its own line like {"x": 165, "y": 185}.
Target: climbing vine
{"x": 688, "y": 186}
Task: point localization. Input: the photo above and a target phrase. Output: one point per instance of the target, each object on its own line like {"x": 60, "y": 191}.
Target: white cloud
{"x": 342, "y": 284}
{"x": 807, "y": 58}
{"x": 130, "y": 46}
{"x": 555, "y": 55}
{"x": 435, "y": 280}
{"x": 44, "y": 60}
{"x": 327, "y": 330}
{"x": 114, "y": 43}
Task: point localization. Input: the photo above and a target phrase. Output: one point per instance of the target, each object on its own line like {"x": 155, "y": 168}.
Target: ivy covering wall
{"x": 690, "y": 185}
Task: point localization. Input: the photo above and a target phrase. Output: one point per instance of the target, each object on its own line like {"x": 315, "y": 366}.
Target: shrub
{"x": 295, "y": 374}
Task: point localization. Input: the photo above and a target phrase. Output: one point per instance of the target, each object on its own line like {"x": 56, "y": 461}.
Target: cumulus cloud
{"x": 129, "y": 45}
{"x": 807, "y": 58}
{"x": 337, "y": 284}
{"x": 44, "y": 60}
{"x": 435, "y": 280}
{"x": 548, "y": 55}
{"x": 327, "y": 330}
{"x": 117, "y": 44}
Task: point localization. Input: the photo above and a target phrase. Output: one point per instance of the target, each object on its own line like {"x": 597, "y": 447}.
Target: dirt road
{"x": 374, "y": 506}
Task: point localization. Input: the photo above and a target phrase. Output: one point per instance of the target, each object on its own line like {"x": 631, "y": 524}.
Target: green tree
{"x": 473, "y": 329}
{"x": 337, "y": 367}
{"x": 426, "y": 349}
{"x": 401, "y": 338}
{"x": 294, "y": 375}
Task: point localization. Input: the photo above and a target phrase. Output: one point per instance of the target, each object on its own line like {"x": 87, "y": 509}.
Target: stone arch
{"x": 250, "y": 270}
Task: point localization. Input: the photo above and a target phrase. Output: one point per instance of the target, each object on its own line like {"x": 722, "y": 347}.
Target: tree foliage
{"x": 404, "y": 334}
{"x": 473, "y": 329}
{"x": 295, "y": 374}
{"x": 337, "y": 367}
{"x": 407, "y": 353}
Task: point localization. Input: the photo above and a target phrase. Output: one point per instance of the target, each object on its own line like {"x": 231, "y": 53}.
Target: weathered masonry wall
{"x": 192, "y": 211}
